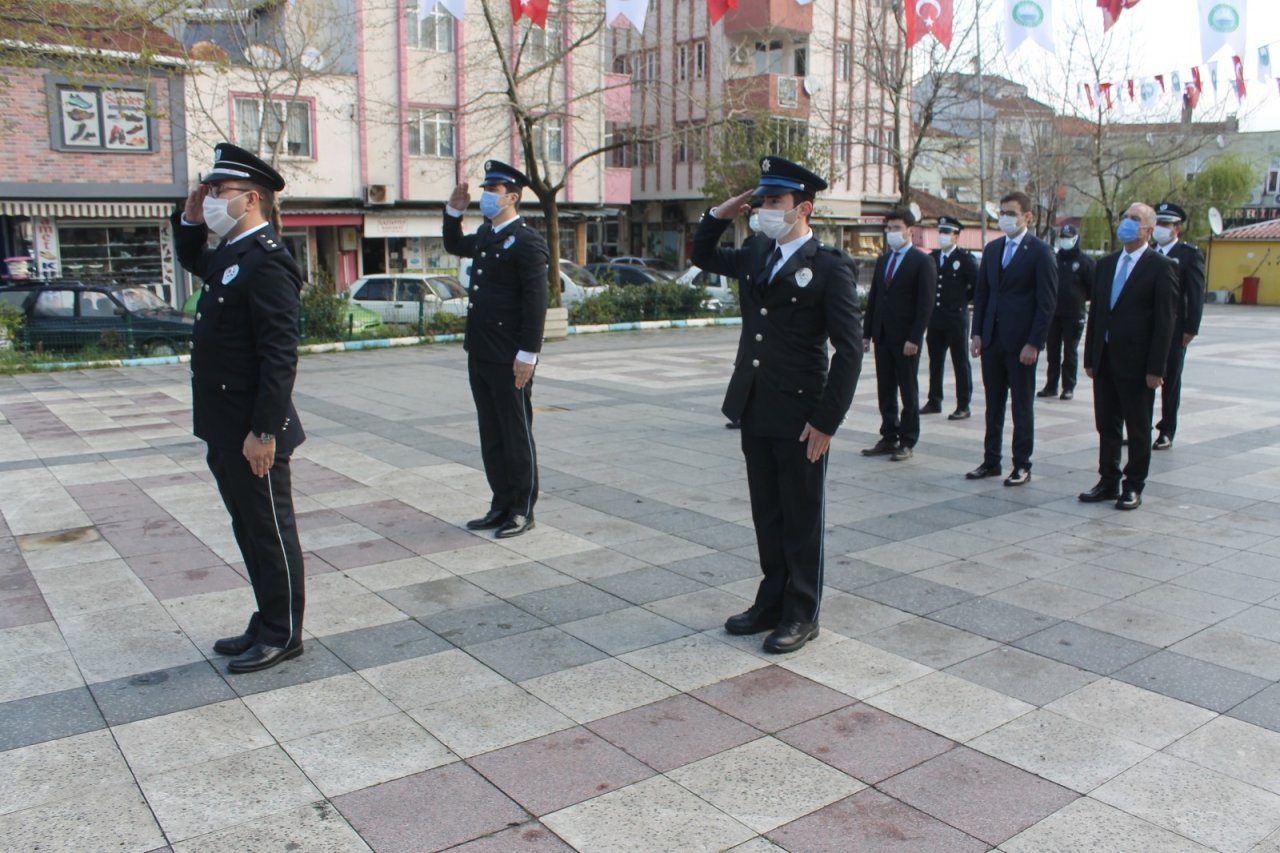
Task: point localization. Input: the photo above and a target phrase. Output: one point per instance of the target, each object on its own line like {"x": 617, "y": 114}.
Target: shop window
{"x": 283, "y": 126}
{"x": 96, "y": 119}
{"x": 125, "y": 253}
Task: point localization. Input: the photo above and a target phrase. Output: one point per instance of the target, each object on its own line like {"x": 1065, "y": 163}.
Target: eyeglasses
{"x": 216, "y": 190}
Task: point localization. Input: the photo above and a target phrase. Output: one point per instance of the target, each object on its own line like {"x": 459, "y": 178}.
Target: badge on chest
{"x": 803, "y": 277}
{"x": 230, "y": 273}
{"x": 509, "y": 242}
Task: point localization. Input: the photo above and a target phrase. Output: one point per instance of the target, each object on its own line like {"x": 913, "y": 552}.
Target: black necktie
{"x": 767, "y": 275}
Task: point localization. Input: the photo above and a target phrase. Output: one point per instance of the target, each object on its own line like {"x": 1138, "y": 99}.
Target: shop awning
{"x": 89, "y": 209}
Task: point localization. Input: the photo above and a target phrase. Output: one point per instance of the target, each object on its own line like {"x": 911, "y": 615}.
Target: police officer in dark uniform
{"x": 796, "y": 294}
{"x": 508, "y": 292}
{"x": 1190, "y": 260}
{"x": 949, "y": 323}
{"x": 1075, "y": 284}
{"x": 244, "y": 358}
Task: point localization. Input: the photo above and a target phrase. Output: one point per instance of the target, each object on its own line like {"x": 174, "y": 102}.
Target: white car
{"x": 576, "y": 283}
{"x": 404, "y": 297}
{"x": 718, "y": 290}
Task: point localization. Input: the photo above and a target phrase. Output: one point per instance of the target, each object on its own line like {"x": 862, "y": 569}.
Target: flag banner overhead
{"x": 1111, "y": 10}
{"x": 927, "y": 17}
{"x": 535, "y": 10}
{"x": 1238, "y": 66}
{"x": 717, "y": 8}
{"x": 1222, "y": 22}
{"x": 1264, "y": 64}
{"x": 1149, "y": 92}
{"x": 626, "y": 13}
{"x": 1028, "y": 19}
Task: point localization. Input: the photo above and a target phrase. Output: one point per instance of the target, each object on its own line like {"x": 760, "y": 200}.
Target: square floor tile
{"x": 489, "y": 719}
{"x": 717, "y": 567}
{"x": 1087, "y": 824}
{"x": 656, "y": 815}
{"x": 47, "y": 717}
{"x": 1262, "y": 709}
{"x": 195, "y": 736}
{"x": 597, "y": 689}
{"x": 328, "y": 703}
{"x": 1086, "y": 648}
{"x": 998, "y": 620}
{"x": 340, "y": 760}
{"x": 568, "y": 603}
{"x": 865, "y": 742}
{"x": 931, "y": 643}
{"x": 1198, "y": 682}
{"x": 855, "y": 668}
{"x": 511, "y": 581}
{"x": 651, "y": 583}
{"x": 977, "y": 794}
{"x": 533, "y": 653}
{"x": 151, "y": 694}
{"x": 481, "y": 624}
{"x": 702, "y": 610}
{"x": 673, "y": 732}
{"x": 622, "y": 631}
{"x": 420, "y": 600}
{"x": 110, "y": 817}
{"x": 422, "y": 681}
{"x": 531, "y": 837}
{"x": 692, "y": 662}
{"x": 913, "y": 594}
{"x": 1131, "y": 712}
{"x": 1140, "y": 623}
{"x": 429, "y": 811}
{"x": 743, "y": 782}
{"x": 870, "y": 822}
{"x": 1022, "y": 675}
{"x": 950, "y": 706}
{"x": 1201, "y": 804}
{"x": 316, "y": 826}
{"x": 582, "y": 764}
{"x": 1234, "y": 748}
{"x": 383, "y": 644}
{"x": 55, "y": 770}
{"x": 853, "y": 616}
{"x": 772, "y": 698}
{"x": 317, "y": 662}
{"x": 1234, "y": 650}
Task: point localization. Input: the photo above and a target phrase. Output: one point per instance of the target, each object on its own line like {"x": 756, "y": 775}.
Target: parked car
{"x": 576, "y": 283}
{"x": 66, "y": 314}
{"x": 638, "y": 261}
{"x": 404, "y": 297}
{"x": 357, "y": 318}
{"x": 717, "y": 286}
{"x": 627, "y": 274}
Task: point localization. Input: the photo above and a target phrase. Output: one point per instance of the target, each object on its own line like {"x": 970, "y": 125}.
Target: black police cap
{"x": 497, "y": 172}
{"x": 949, "y": 223}
{"x": 1167, "y": 211}
{"x": 779, "y": 176}
{"x": 231, "y": 162}
{"x": 1068, "y": 231}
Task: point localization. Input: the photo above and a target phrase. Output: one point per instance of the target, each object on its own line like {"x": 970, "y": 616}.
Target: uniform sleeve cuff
{"x": 453, "y": 211}
{"x": 527, "y": 357}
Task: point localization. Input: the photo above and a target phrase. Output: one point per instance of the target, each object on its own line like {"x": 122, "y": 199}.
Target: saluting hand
{"x": 460, "y": 197}
{"x": 193, "y": 212}
{"x": 734, "y": 207}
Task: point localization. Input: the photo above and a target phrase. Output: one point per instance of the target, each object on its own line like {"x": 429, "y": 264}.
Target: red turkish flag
{"x": 536, "y": 10}
{"x": 1192, "y": 96}
{"x": 1111, "y": 10}
{"x": 1239, "y": 66}
{"x": 929, "y": 17}
{"x": 1104, "y": 89}
{"x": 717, "y": 8}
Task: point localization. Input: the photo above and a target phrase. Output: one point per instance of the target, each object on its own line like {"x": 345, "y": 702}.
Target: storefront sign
{"x": 48, "y": 259}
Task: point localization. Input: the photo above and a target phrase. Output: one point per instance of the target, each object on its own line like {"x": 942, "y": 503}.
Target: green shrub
{"x": 11, "y": 327}
{"x": 446, "y": 324}
{"x": 665, "y": 301}
{"x": 323, "y": 314}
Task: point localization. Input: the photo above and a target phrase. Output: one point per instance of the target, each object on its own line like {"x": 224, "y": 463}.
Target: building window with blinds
{"x": 276, "y": 126}
{"x": 431, "y": 133}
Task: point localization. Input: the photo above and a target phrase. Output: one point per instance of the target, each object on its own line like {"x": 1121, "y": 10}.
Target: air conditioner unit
{"x": 379, "y": 194}
{"x": 740, "y": 54}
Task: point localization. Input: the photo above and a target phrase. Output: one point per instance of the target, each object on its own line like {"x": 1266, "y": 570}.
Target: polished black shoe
{"x": 882, "y": 448}
{"x": 493, "y": 518}
{"x": 1067, "y": 395}
{"x": 1018, "y": 476}
{"x": 790, "y": 637}
{"x": 1162, "y": 442}
{"x": 1129, "y": 499}
{"x": 931, "y": 408}
{"x": 233, "y": 646}
{"x": 1099, "y": 493}
{"x": 514, "y": 526}
{"x": 750, "y": 621}
{"x": 261, "y": 656}
{"x": 1047, "y": 392}
{"x": 959, "y": 414}
{"x": 901, "y": 453}
{"x": 983, "y": 470}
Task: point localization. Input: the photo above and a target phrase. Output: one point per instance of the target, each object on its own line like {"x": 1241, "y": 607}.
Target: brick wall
{"x": 30, "y": 154}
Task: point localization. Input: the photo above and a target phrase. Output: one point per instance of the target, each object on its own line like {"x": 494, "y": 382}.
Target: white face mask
{"x": 774, "y": 223}
{"x": 1066, "y": 243}
{"x": 1010, "y": 225}
{"x": 220, "y": 222}
{"x": 895, "y": 239}
{"x": 946, "y": 241}
{"x": 754, "y": 222}
{"x": 1163, "y": 234}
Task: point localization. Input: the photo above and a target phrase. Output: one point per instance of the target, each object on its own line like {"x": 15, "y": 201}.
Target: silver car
{"x": 404, "y": 297}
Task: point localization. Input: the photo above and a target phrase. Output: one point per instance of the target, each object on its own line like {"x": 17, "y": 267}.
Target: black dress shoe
{"x": 983, "y": 470}
{"x": 1099, "y": 493}
{"x": 901, "y": 454}
{"x": 751, "y": 621}
{"x": 234, "y": 645}
{"x": 493, "y": 518}
{"x": 1046, "y": 392}
{"x": 1129, "y": 499}
{"x": 959, "y": 414}
{"x": 1067, "y": 395}
{"x": 1162, "y": 442}
{"x": 931, "y": 408}
{"x": 882, "y": 448}
{"x": 1018, "y": 476}
{"x": 260, "y": 656}
{"x": 514, "y": 526}
{"x": 790, "y": 637}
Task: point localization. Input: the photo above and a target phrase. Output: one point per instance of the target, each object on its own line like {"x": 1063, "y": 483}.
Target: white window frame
{"x": 247, "y": 137}
{"x": 438, "y": 126}
{"x": 699, "y": 60}
{"x": 438, "y": 25}
{"x": 549, "y": 139}
{"x": 844, "y": 61}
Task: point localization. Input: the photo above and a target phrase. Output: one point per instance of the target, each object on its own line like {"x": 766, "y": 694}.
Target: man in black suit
{"x": 1012, "y": 303}
{"x": 898, "y": 308}
{"x": 508, "y": 295}
{"x": 1075, "y": 284}
{"x": 949, "y": 323}
{"x": 244, "y": 359}
{"x": 788, "y": 395}
{"x": 1190, "y": 260}
{"x": 1126, "y": 346}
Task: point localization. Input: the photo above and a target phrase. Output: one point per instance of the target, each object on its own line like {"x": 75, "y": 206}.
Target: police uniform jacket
{"x": 955, "y": 288}
{"x": 507, "y": 290}
{"x": 1075, "y": 283}
{"x": 900, "y": 312}
{"x": 244, "y": 346}
{"x": 1190, "y": 261}
{"x": 782, "y": 362}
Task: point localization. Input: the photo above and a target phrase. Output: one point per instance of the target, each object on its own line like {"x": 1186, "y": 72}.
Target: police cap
{"x": 231, "y": 162}
{"x": 949, "y": 224}
{"x": 1167, "y": 211}
{"x": 778, "y": 177}
{"x": 1068, "y": 231}
{"x": 497, "y": 172}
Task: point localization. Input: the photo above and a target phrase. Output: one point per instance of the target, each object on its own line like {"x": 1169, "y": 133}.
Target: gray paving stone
{"x": 49, "y": 716}
{"x": 1261, "y": 709}
{"x": 316, "y": 662}
{"x": 1086, "y": 648}
{"x": 914, "y": 595}
{"x": 533, "y": 653}
{"x": 481, "y": 624}
{"x": 568, "y": 603}
{"x": 676, "y": 520}
{"x": 622, "y": 631}
{"x": 722, "y": 537}
{"x": 1022, "y": 675}
{"x": 931, "y": 643}
{"x": 423, "y": 599}
{"x": 716, "y": 569}
{"x": 1198, "y": 682}
{"x": 997, "y": 620}
{"x": 152, "y": 694}
{"x": 648, "y": 584}
{"x": 381, "y": 644}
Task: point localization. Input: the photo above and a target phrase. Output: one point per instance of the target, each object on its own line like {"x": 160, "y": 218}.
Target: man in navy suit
{"x": 898, "y": 308}
{"x": 1012, "y": 305}
{"x": 1126, "y": 346}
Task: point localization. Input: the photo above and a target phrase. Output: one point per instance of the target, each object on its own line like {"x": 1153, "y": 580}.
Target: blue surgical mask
{"x": 490, "y": 204}
{"x": 1128, "y": 230}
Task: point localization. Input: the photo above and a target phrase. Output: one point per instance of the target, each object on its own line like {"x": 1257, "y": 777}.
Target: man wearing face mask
{"x": 1190, "y": 260}
{"x": 949, "y": 323}
{"x": 1075, "y": 284}
{"x": 1012, "y": 304}
{"x": 508, "y": 294}
{"x": 244, "y": 358}
{"x": 1126, "y": 346}
{"x": 898, "y": 308}
{"x": 789, "y": 396}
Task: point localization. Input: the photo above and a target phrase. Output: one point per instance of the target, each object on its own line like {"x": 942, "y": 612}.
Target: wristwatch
{"x": 266, "y": 437}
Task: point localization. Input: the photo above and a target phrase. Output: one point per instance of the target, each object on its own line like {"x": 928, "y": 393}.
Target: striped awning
{"x": 89, "y": 209}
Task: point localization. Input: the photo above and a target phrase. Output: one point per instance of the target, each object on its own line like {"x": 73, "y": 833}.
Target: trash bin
{"x": 1249, "y": 290}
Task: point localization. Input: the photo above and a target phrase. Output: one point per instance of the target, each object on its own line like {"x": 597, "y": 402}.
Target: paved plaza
{"x": 999, "y": 668}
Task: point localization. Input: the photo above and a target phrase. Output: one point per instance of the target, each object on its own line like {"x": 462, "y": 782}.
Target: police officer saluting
{"x": 508, "y": 293}
{"x": 949, "y": 322}
{"x": 244, "y": 358}
{"x": 1075, "y": 285}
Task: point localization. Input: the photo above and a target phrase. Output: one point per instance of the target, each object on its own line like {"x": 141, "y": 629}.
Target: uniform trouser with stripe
{"x": 788, "y": 500}
{"x": 950, "y": 335}
{"x": 262, "y": 520}
{"x": 1062, "y": 352}
{"x": 505, "y": 415}
{"x": 1171, "y": 390}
